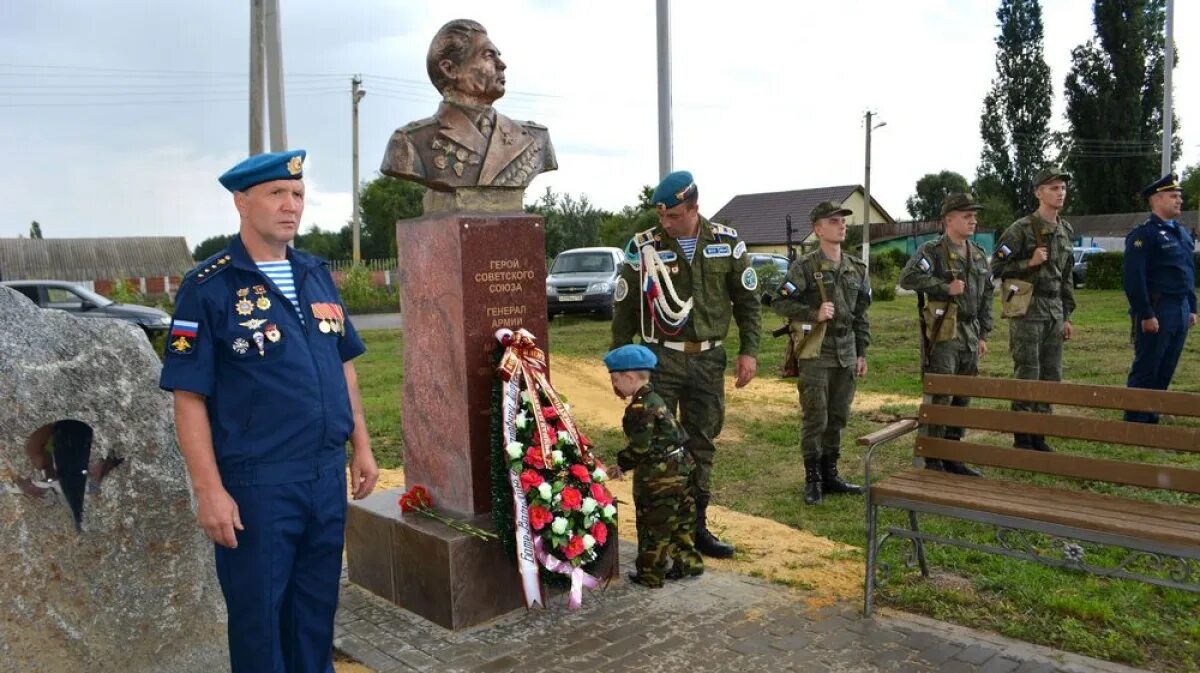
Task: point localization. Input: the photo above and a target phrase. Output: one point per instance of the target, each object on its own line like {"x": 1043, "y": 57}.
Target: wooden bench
{"x": 1046, "y": 523}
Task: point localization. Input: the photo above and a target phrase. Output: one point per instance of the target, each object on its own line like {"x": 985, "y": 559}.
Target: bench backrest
{"x": 1102, "y": 430}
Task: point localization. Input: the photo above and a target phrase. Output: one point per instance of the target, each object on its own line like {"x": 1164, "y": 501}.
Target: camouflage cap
{"x": 1050, "y": 173}
{"x": 959, "y": 201}
{"x": 828, "y": 209}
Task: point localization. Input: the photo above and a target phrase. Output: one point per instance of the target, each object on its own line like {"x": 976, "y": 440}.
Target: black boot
{"x": 1021, "y": 441}
{"x": 831, "y": 482}
{"x": 958, "y": 467}
{"x": 1038, "y": 443}
{"x": 812, "y": 482}
{"x": 934, "y": 464}
{"x": 706, "y": 542}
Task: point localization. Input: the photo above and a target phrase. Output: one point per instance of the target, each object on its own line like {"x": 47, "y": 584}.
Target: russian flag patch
{"x": 184, "y": 328}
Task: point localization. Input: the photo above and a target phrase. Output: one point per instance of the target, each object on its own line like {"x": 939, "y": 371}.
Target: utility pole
{"x": 356, "y": 94}
{"x": 257, "y": 48}
{"x": 665, "y": 150}
{"x": 1168, "y": 111}
{"x": 866, "y": 234}
{"x": 275, "y": 77}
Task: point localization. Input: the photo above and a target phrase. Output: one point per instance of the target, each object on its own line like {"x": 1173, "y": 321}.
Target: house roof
{"x": 1116, "y": 225}
{"x": 84, "y": 259}
{"x": 760, "y": 218}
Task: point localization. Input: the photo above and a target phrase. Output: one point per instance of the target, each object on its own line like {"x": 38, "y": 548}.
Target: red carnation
{"x": 571, "y": 499}
{"x": 534, "y": 457}
{"x": 601, "y": 495}
{"x": 550, "y": 413}
{"x": 581, "y": 473}
{"x": 574, "y": 547}
{"x": 530, "y": 479}
{"x": 540, "y": 516}
{"x": 600, "y": 532}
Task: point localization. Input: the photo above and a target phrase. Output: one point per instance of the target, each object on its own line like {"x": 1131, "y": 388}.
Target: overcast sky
{"x": 117, "y": 117}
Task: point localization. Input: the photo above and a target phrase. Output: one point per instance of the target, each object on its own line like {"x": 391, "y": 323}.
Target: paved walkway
{"x": 719, "y": 622}
{"x": 367, "y": 321}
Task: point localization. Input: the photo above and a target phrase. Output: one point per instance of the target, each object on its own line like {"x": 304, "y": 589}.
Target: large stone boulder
{"x": 131, "y": 588}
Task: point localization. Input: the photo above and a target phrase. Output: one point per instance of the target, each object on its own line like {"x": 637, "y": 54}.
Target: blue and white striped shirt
{"x": 689, "y": 247}
{"x": 280, "y": 273}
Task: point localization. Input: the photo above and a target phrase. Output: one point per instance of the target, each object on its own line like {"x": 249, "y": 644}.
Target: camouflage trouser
{"x": 1037, "y": 351}
{"x": 825, "y": 396}
{"x": 951, "y": 357}
{"x": 696, "y": 383}
{"x": 666, "y": 520}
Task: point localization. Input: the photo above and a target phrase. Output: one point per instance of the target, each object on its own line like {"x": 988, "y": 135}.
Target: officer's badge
{"x": 182, "y": 337}
{"x": 923, "y": 264}
{"x": 621, "y": 291}
{"x": 1003, "y": 252}
{"x": 243, "y": 306}
{"x": 272, "y": 333}
{"x": 739, "y": 250}
{"x": 750, "y": 279}
{"x": 787, "y": 289}
{"x": 240, "y": 346}
{"x": 718, "y": 250}
{"x": 263, "y": 303}
{"x": 181, "y": 346}
{"x": 295, "y": 164}
{"x": 1137, "y": 243}
{"x": 667, "y": 255}
{"x": 253, "y": 323}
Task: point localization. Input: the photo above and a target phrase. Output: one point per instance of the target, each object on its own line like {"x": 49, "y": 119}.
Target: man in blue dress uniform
{"x": 259, "y": 361}
{"x": 1160, "y": 282}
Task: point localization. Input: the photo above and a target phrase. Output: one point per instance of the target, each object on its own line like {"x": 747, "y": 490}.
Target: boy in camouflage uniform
{"x": 1037, "y": 250}
{"x": 954, "y": 269}
{"x": 662, "y": 489}
{"x": 827, "y": 286}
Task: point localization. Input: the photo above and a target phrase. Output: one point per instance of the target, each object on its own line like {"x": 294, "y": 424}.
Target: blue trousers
{"x": 281, "y": 582}
{"x": 1156, "y": 355}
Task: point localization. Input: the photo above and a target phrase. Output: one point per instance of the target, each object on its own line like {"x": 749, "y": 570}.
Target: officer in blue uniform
{"x": 259, "y": 360}
{"x": 1160, "y": 282}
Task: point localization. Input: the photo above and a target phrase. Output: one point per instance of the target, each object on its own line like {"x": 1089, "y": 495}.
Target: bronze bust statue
{"x": 467, "y": 144}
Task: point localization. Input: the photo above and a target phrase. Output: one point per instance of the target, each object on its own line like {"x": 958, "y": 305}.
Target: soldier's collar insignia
{"x": 1137, "y": 243}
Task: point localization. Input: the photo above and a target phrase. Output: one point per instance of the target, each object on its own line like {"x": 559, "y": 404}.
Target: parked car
{"x": 582, "y": 280}
{"x": 771, "y": 270}
{"x": 1079, "y": 272}
{"x": 759, "y": 259}
{"x": 82, "y": 302}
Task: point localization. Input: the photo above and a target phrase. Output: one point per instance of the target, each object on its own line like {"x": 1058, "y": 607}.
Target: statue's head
{"x": 464, "y": 65}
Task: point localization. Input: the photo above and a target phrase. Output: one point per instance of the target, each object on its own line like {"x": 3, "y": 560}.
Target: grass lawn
{"x": 758, "y": 471}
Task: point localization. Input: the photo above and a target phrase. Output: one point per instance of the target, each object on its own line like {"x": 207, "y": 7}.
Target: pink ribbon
{"x": 579, "y": 578}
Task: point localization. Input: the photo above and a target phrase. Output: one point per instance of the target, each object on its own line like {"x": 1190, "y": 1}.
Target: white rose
{"x": 598, "y": 475}
{"x": 521, "y": 420}
{"x": 557, "y": 457}
{"x": 589, "y": 522}
{"x": 589, "y": 505}
{"x": 515, "y": 449}
{"x": 566, "y": 438}
{"x": 588, "y": 541}
{"x": 610, "y": 511}
{"x": 544, "y": 490}
{"x": 559, "y": 525}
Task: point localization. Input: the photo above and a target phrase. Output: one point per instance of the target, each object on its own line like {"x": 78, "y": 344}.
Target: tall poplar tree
{"x": 1114, "y": 94}
{"x": 1015, "y": 124}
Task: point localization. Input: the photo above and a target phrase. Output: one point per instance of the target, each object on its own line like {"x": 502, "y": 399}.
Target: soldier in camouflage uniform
{"x": 1037, "y": 250}
{"x": 662, "y": 492}
{"x": 953, "y": 268}
{"x": 826, "y": 285}
{"x": 682, "y": 283}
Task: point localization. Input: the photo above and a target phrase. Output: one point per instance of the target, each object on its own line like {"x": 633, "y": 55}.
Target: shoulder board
{"x": 722, "y": 230}
{"x": 644, "y": 237}
{"x": 533, "y": 125}
{"x": 420, "y": 123}
{"x": 633, "y": 256}
{"x": 210, "y": 267}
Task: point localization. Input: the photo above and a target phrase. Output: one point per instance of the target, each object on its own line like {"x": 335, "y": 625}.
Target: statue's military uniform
{"x": 930, "y": 271}
{"x": 662, "y": 492}
{"x": 1036, "y": 339}
{"x": 827, "y": 382}
{"x": 468, "y": 147}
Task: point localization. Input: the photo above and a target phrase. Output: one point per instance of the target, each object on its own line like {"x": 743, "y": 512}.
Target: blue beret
{"x": 630, "y": 357}
{"x": 1167, "y": 183}
{"x": 262, "y": 168}
{"x": 674, "y": 189}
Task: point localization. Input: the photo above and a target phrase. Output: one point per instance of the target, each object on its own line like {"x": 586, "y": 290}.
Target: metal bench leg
{"x": 872, "y": 550}
{"x": 918, "y": 544}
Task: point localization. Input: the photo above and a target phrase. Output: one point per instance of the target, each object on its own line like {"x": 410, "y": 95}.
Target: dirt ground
{"x": 767, "y": 549}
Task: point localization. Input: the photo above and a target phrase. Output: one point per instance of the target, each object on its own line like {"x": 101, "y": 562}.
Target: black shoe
{"x": 644, "y": 580}
{"x": 831, "y": 482}
{"x": 1022, "y": 441}
{"x": 1039, "y": 443}
{"x": 957, "y": 467}
{"x": 934, "y": 464}
{"x": 812, "y": 482}
{"x": 676, "y": 572}
{"x": 707, "y": 543}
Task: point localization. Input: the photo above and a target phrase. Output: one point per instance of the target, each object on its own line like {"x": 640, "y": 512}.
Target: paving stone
{"x": 1033, "y": 666}
{"x": 999, "y": 665}
{"x": 793, "y": 642}
{"x": 976, "y": 654}
{"x": 505, "y": 663}
{"x": 940, "y": 652}
{"x": 956, "y": 666}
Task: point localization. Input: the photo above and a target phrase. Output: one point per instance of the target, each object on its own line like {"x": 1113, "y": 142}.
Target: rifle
{"x": 924, "y": 339}
{"x": 790, "y": 366}
{"x": 791, "y": 250}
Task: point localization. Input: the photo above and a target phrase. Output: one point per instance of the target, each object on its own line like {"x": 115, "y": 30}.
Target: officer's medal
{"x": 260, "y": 341}
{"x": 263, "y": 303}
{"x": 240, "y": 346}
{"x": 272, "y": 333}
{"x": 244, "y": 307}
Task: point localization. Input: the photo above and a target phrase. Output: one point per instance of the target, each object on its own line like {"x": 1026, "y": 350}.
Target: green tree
{"x": 569, "y": 222}
{"x": 997, "y": 212}
{"x": 617, "y": 228}
{"x": 926, "y": 204}
{"x": 35, "y": 230}
{"x": 381, "y": 203}
{"x": 1191, "y": 187}
{"x": 210, "y": 246}
{"x": 1113, "y": 92}
{"x": 326, "y": 244}
{"x": 1015, "y": 124}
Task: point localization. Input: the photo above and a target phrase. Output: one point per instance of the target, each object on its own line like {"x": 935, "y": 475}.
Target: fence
{"x": 383, "y": 271}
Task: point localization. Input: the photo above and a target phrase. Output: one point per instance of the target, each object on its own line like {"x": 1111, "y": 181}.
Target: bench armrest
{"x": 882, "y": 436}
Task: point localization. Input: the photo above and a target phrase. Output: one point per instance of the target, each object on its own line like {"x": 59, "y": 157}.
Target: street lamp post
{"x": 866, "y": 233}
{"x": 356, "y": 94}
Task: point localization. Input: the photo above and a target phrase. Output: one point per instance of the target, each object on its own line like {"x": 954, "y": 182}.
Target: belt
{"x": 686, "y": 346}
